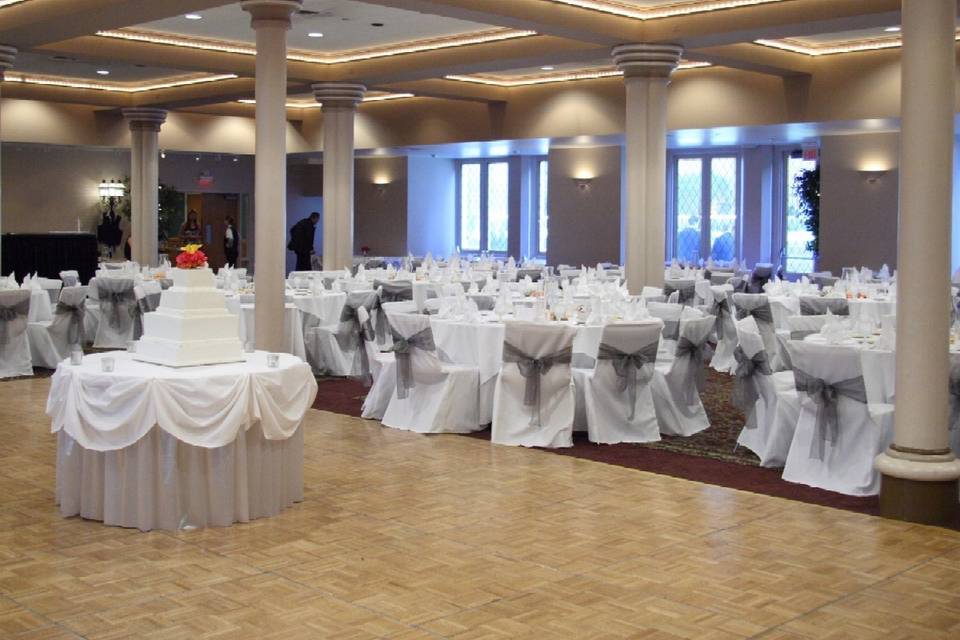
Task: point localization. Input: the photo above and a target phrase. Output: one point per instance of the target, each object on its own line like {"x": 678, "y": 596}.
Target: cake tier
{"x": 192, "y": 298}
{"x": 188, "y": 353}
{"x": 193, "y": 278}
{"x": 210, "y": 325}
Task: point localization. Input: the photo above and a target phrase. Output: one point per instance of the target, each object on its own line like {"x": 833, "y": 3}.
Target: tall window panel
{"x": 799, "y": 258}
{"x": 706, "y": 205}
{"x": 542, "y": 214}
{"x": 483, "y": 220}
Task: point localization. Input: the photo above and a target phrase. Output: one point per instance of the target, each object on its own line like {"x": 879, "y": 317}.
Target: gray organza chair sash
{"x": 402, "y": 348}
{"x": 745, "y": 389}
{"x": 724, "y": 325}
{"x": 820, "y": 306}
{"x": 762, "y": 313}
{"x": 687, "y": 293}
{"x": 149, "y": 302}
{"x": 800, "y": 334}
{"x": 535, "y": 274}
{"x": 533, "y": 369}
{"x": 350, "y": 329}
{"x": 631, "y": 368}
{"x": 483, "y": 302}
{"x": 13, "y": 319}
{"x": 73, "y": 315}
{"x": 118, "y": 304}
{"x": 826, "y": 395}
{"x": 398, "y": 291}
{"x": 696, "y": 377}
{"x": 671, "y": 330}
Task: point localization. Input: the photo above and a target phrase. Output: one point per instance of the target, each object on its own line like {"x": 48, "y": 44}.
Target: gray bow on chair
{"x": 118, "y": 302}
{"x": 686, "y": 293}
{"x": 13, "y": 320}
{"x": 761, "y": 312}
{"x": 826, "y": 395}
{"x": 532, "y": 369}
{"x": 696, "y": 374}
{"x": 820, "y": 306}
{"x": 401, "y": 348}
{"x": 149, "y": 302}
{"x": 399, "y": 291}
{"x": 721, "y": 309}
{"x": 671, "y": 330}
{"x": 630, "y": 368}
{"x": 351, "y": 329}
{"x": 745, "y": 391}
{"x": 74, "y": 314}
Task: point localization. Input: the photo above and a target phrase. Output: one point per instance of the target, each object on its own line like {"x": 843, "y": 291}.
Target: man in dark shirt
{"x": 301, "y": 240}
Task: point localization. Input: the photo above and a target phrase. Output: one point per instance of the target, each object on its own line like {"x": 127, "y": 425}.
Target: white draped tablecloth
{"x": 325, "y": 306}
{"x": 152, "y": 447}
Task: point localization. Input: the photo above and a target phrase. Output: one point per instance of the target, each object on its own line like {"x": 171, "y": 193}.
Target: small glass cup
{"x": 131, "y": 346}
{"x": 273, "y": 360}
{"x": 107, "y": 364}
{"x": 248, "y": 347}
{"x": 76, "y": 357}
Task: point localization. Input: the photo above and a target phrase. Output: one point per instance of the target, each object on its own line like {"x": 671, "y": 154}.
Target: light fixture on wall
{"x": 380, "y": 183}
{"x": 583, "y": 178}
{"x": 111, "y": 189}
{"x": 873, "y": 176}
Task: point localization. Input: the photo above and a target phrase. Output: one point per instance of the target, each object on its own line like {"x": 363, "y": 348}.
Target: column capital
{"x": 145, "y": 119}
{"x": 275, "y": 12}
{"x": 7, "y": 55}
{"x": 341, "y": 95}
{"x": 647, "y": 60}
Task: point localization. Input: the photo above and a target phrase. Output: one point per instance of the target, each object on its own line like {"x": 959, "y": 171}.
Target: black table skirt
{"x": 50, "y": 253}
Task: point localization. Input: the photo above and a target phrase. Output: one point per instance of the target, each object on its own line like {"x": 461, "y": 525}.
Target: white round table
{"x": 155, "y": 447}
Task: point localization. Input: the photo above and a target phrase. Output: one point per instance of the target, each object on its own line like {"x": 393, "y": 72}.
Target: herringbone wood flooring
{"x": 407, "y": 536}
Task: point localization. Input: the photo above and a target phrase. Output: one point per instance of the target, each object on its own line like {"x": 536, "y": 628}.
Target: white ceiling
{"x": 846, "y": 36}
{"x": 346, "y": 24}
{"x": 45, "y": 64}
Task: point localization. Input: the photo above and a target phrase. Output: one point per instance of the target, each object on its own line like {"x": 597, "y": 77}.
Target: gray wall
{"x": 431, "y": 205}
{"x": 380, "y": 210}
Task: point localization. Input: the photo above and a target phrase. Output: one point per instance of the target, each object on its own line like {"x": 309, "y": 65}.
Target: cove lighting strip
{"x": 523, "y": 81}
{"x": 849, "y": 46}
{"x": 7, "y": 3}
{"x": 314, "y": 104}
{"x": 667, "y": 10}
{"x": 70, "y": 83}
{"x": 353, "y": 55}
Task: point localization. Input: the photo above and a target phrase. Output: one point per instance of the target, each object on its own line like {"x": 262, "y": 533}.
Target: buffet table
{"x": 155, "y": 447}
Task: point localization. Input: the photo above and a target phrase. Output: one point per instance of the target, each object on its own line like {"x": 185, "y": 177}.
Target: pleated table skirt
{"x": 162, "y": 483}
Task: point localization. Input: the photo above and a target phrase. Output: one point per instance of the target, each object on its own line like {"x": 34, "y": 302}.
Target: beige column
{"x": 7, "y": 57}
{"x": 919, "y": 471}
{"x": 144, "y": 182}
{"x": 271, "y": 20}
{"x": 646, "y": 74}
{"x": 339, "y": 102}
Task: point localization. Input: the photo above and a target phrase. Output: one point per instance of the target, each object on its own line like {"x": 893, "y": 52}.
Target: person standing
{"x": 301, "y": 240}
{"x": 231, "y": 242}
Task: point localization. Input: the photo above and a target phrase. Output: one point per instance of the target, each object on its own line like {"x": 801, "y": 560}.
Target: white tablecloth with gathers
{"x": 151, "y": 447}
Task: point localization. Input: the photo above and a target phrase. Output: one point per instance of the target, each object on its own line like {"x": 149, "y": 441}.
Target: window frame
{"x": 536, "y": 209}
{"x": 782, "y": 194}
{"x": 484, "y": 201}
{"x": 706, "y": 156}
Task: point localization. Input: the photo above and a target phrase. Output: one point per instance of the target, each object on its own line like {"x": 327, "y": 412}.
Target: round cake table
{"x": 154, "y": 447}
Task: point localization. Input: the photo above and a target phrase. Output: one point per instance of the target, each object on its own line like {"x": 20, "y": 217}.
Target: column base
{"x": 919, "y": 488}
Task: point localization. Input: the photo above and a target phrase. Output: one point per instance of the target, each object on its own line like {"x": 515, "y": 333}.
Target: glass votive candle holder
{"x": 248, "y": 347}
{"x": 131, "y": 346}
{"x": 273, "y": 360}
{"x": 76, "y": 357}
{"x": 107, "y": 364}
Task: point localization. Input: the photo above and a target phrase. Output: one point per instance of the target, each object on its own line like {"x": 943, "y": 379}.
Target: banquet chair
{"x": 52, "y": 341}
{"x": 148, "y": 295}
{"x": 720, "y": 277}
{"x": 758, "y": 306}
{"x": 652, "y": 294}
{"x": 70, "y": 278}
{"x": 823, "y": 279}
{"x": 118, "y": 313}
{"x": 429, "y": 396}
{"x": 680, "y": 291}
{"x": 534, "y": 274}
{"x": 677, "y": 386}
{"x": 382, "y": 366}
{"x": 817, "y": 306}
{"x": 618, "y": 404}
{"x": 837, "y": 436}
{"x": 14, "y": 345}
{"x": 52, "y": 286}
{"x": 533, "y": 401}
{"x": 769, "y": 400}
{"x": 725, "y": 330}
{"x": 803, "y": 326}
{"x": 670, "y": 314}
{"x": 337, "y": 349}
{"x": 390, "y": 291}
{"x": 760, "y": 276}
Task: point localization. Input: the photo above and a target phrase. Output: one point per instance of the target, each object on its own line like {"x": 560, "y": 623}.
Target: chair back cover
{"x": 541, "y": 353}
{"x": 70, "y": 278}
{"x": 687, "y": 372}
{"x": 395, "y": 290}
{"x": 817, "y": 306}
{"x": 68, "y": 317}
{"x": 803, "y": 326}
{"x": 670, "y": 314}
{"x": 758, "y": 306}
{"x": 14, "y": 309}
{"x": 760, "y": 276}
{"x": 751, "y": 376}
{"x": 414, "y": 350}
{"x": 680, "y": 291}
{"x": 628, "y": 354}
{"x": 119, "y": 312}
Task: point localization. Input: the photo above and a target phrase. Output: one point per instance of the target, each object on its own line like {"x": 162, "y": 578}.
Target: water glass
{"x": 131, "y": 346}
{"x": 273, "y": 360}
{"x": 248, "y": 347}
{"x": 107, "y": 364}
{"x": 76, "y": 357}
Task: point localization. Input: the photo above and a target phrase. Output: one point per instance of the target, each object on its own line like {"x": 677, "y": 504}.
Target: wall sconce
{"x": 380, "y": 183}
{"x": 873, "y": 177}
{"x": 111, "y": 189}
{"x": 583, "y": 183}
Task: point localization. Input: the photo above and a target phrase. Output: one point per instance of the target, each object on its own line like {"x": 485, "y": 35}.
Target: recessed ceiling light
{"x": 547, "y": 67}
{"x": 102, "y": 72}
{"x": 193, "y": 16}
{"x": 892, "y": 29}
{"x": 315, "y": 34}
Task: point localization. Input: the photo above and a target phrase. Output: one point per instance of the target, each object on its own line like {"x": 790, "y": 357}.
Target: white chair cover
{"x": 52, "y": 286}
{"x": 836, "y": 440}
{"x": 816, "y": 306}
{"x": 619, "y": 403}
{"x": 725, "y": 329}
{"x": 337, "y": 349}
{"x": 771, "y": 411}
{"x": 803, "y": 326}
{"x": 429, "y": 396}
{"x": 758, "y": 306}
{"x": 383, "y": 373}
{"x": 14, "y": 346}
{"x": 676, "y": 392}
{"x": 51, "y": 342}
{"x": 70, "y": 278}
{"x": 533, "y": 401}
{"x": 119, "y": 313}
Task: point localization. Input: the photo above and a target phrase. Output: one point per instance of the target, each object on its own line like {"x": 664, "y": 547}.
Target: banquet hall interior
{"x": 479, "y": 319}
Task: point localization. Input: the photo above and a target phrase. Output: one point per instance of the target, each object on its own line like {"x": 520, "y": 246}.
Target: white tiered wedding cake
{"x": 191, "y": 326}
